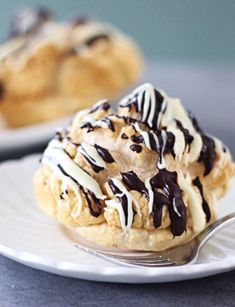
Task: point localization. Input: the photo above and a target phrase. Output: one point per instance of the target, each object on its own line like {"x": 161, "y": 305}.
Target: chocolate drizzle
{"x": 205, "y": 205}
{"x": 136, "y": 148}
{"x": 208, "y": 153}
{"x": 127, "y": 119}
{"x": 91, "y": 126}
{"x": 157, "y": 142}
{"x": 137, "y": 139}
{"x": 90, "y": 152}
{"x": 94, "y": 39}
{"x": 122, "y": 198}
{"x": 2, "y": 90}
{"x": 133, "y": 182}
{"x": 105, "y": 154}
{"x": 124, "y": 136}
{"x": 93, "y": 203}
{"x": 151, "y": 107}
{"x": 172, "y": 197}
{"x": 187, "y": 136}
{"x": 59, "y": 136}
{"x": 143, "y": 96}
{"x": 102, "y": 106}
{"x": 109, "y": 123}
{"x": 96, "y": 168}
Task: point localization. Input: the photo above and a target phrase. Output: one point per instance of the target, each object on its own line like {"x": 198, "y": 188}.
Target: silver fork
{"x": 183, "y": 254}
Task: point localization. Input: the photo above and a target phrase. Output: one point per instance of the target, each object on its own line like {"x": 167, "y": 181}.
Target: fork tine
{"x": 136, "y": 259}
{"x": 175, "y": 256}
{"x": 100, "y": 255}
{"x": 132, "y": 256}
{"x": 153, "y": 262}
{"x": 136, "y": 263}
{"x": 146, "y": 263}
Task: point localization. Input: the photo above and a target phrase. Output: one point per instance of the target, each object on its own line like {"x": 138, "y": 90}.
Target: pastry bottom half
{"x": 132, "y": 239}
{"x": 96, "y": 229}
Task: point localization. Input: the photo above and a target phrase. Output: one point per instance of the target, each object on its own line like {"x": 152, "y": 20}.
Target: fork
{"x": 179, "y": 255}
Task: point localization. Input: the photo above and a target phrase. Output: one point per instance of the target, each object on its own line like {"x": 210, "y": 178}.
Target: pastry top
{"x": 147, "y": 166}
{"x": 49, "y": 52}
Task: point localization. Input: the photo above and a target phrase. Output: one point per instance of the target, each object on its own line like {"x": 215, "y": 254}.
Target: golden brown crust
{"x": 134, "y": 239}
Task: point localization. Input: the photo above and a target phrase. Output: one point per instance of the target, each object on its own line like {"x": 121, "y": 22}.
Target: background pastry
{"x": 49, "y": 69}
{"x": 144, "y": 178}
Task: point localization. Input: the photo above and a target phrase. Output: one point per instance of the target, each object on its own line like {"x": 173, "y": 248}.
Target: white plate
{"x": 31, "y": 238}
{"x": 28, "y": 136}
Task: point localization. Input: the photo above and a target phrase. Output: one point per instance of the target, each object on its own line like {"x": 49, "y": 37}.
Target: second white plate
{"x": 31, "y": 238}
{"x": 29, "y": 136}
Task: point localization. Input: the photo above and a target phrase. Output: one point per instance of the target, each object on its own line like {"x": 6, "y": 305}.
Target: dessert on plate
{"x": 50, "y": 69}
{"x": 146, "y": 177}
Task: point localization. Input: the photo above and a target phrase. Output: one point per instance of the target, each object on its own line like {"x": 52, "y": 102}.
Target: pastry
{"x": 50, "y": 69}
{"x": 146, "y": 177}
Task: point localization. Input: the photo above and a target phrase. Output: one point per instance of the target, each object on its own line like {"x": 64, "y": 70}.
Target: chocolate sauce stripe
{"x": 104, "y": 106}
{"x": 205, "y": 205}
{"x": 104, "y": 153}
{"x": 154, "y": 101}
{"x": 96, "y": 202}
{"x": 208, "y": 152}
{"x": 95, "y": 38}
{"x": 98, "y": 206}
{"x": 94, "y": 166}
{"x": 173, "y": 199}
{"x": 91, "y": 126}
{"x": 158, "y": 147}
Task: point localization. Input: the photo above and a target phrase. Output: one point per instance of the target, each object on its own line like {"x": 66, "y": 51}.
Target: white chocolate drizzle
{"x": 194, "y": 203}
{"x": 159, "y": 111}
{"x": 146, "y": 104}
{"x": 150, "y": 194}
{"x": 126, "y": 220}
{"x": 56, "y": 158}
{"x": 90, "y": 152}
{"x": 154, "y": 143}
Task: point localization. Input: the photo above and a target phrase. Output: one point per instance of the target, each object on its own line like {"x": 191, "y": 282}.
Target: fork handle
{"x": 212, "y": 229}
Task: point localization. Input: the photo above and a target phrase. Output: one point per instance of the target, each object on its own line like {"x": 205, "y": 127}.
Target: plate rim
{"x": 113, "y": 273}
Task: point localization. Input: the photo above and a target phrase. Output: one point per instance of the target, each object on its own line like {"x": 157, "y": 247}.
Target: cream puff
{"x": 50, "y": 69}
{"x": 146, "y": 177}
